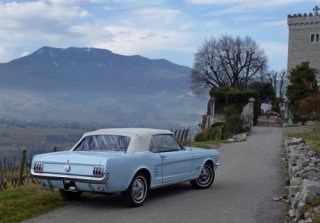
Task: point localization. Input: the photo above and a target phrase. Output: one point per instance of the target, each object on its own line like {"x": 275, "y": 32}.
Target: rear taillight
{"x": 97, "y": 170}
{"x": 38, "y": 167}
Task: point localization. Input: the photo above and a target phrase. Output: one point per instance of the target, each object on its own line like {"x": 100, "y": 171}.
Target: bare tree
{"x": 273, "y": 79}
{"x": 227, "y": 61}
{"x": 278, "y": 79}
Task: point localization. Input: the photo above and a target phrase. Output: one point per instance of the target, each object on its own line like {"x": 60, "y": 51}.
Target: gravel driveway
{"x": 249, "y": 177}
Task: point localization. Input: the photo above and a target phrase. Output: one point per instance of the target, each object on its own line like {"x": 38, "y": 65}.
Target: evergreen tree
{"x": 302, "y": 82}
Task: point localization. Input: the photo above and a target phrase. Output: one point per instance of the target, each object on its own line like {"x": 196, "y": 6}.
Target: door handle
{"x": 163, "y": 156}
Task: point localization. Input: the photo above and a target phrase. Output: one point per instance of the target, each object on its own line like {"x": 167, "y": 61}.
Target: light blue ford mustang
{"x": 127, "y": 160}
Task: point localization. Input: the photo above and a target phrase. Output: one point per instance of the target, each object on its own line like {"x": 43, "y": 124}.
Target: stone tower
{"x": 304, "y": 39}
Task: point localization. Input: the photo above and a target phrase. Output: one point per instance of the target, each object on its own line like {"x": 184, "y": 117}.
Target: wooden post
{"x": 21, "y": 168}
{"x": 186, "y": 136}
{"x": 4, "y": 165}
{"x": 182, "y": 136}
{"x": 178, "y": 135}
{"x": 1, "y": 168}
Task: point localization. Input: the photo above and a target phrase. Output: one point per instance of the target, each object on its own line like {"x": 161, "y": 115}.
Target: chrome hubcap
{"x": 205, "y": 176}
{"x": 138, "y": 189}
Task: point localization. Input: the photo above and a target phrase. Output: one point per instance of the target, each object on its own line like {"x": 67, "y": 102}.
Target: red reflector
{"x": 97, "y": 171}
{"x": 38, "y": 167}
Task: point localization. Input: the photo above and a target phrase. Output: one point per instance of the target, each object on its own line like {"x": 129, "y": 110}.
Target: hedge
{"x": 232, "y": 95}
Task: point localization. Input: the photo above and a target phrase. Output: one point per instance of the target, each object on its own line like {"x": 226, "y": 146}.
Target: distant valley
{"x": 88, "y": 85}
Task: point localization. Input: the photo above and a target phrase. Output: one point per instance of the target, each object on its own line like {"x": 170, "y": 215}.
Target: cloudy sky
{"x": 170, "y": 29}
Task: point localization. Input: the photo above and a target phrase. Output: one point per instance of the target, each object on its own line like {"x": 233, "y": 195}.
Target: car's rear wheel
{"x": 205, "y": 178}
{"x": 137, "y": 191}
{"x": 70, "y": 195}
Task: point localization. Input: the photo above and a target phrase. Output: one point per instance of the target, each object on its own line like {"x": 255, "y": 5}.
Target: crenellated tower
{"x": 304, "y": 39}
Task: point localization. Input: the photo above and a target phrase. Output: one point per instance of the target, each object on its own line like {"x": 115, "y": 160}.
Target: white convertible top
{"x": 135, "y": 131}
{"x": 140, "y": 138}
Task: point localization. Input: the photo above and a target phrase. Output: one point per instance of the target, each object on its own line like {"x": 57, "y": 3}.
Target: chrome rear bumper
{"x": 86, "y": 179}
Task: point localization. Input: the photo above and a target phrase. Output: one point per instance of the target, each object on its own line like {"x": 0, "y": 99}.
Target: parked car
{"x": 127, "y": 160}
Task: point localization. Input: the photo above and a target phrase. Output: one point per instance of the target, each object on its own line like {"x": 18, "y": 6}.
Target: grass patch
{"x": 207, "y": 144}
{"x": 18, "y": 204}
{"x": 312, "y": 138}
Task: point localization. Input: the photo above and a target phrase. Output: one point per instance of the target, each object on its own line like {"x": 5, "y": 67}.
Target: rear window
{"x": 111, "y": 143}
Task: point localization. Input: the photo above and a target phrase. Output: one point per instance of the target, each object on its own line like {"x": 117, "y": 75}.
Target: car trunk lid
{"x": 74, "y": 162}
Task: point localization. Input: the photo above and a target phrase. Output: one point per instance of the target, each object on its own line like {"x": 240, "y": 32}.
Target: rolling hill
{"x": 95, "y": 85}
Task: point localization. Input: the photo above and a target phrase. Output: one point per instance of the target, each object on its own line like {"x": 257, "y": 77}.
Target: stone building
{"x": 304, "y": 39}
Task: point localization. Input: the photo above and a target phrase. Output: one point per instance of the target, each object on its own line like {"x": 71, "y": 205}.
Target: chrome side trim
{"x": 77, "y": 178}
{"x": 171, "y": 183}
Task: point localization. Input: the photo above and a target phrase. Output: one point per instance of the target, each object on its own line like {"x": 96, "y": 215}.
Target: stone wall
{"x": 304, "y": 175}
{"x": 248, "y": 113}
{"x": 211, "y": 117}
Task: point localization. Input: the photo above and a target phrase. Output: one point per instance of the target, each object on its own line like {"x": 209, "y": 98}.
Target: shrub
{"x": 226, "y": 96}
{"x": 201, "y": 136}
{"x": 275, "y": 105}
{"x": 265, "y": 90}
{"x": 233, "y": 124}
{"x": 232, "y": 95}
{"x": 215, "y": 132}
{"x": 308, "y": 108}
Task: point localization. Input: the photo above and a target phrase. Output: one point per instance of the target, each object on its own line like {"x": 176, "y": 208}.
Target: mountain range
{"x": 95, "y": 85}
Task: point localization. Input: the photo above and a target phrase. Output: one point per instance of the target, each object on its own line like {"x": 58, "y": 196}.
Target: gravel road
{"x": 249, "y": 177}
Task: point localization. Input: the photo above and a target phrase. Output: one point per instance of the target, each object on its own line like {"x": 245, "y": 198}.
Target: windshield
{"x": 112, "y": 143}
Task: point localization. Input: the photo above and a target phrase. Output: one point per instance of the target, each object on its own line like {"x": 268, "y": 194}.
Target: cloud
{"x": 188, "y": 94}
{"x": 159, "y": 14}
{"x": 246, "y": 2}
{"x": 26, "y": 20}
{"x": 90, "y": 33}
{"x": 137, "y": 3}
{"x": 130, "y": 40}
{"x": 45, "y": 10}
{"x": 125, "y": 29}
{"x": 242, "y": 6}
{"x": 25, "y": 53}
{"x": 4, "y": 55}
{"x": 213, "y": 23}
{"x": 274, "y": 23}
{"x": 32, "y": 24}
{"x": 157, "y": 28}
{"x": 186, "y": 26}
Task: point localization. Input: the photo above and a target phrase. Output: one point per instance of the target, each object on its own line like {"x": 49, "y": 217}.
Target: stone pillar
{"x": 211, "y": 106}
{"x": 288, "y": 116}
{"x": 251, "y": 111}
{"x": 204, "y": 122}
{"x": 285, "y": 110}
{"x": 208, "y": 119}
